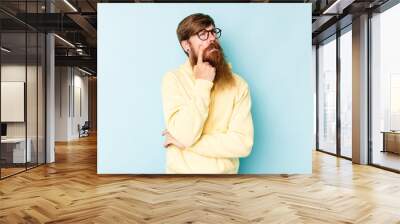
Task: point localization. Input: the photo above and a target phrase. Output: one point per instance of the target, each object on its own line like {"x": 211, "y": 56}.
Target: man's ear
{"x": 185, "y": 45}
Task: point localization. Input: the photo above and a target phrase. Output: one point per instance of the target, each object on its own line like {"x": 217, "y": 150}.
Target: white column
{"x": 360, "y": 90}
{"x": 50, "y": 92}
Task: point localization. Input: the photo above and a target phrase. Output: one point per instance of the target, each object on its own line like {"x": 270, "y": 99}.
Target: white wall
{"x": 61, "y": 103}
{"x": 70, "y": 84}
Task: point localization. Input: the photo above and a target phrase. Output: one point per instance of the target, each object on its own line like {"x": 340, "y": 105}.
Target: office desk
{"x": 13, "y": 150}
{"x": 391, "y": 141}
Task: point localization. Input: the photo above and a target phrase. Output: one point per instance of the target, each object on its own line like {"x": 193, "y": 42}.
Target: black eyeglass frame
{"x": 216, "y": 32}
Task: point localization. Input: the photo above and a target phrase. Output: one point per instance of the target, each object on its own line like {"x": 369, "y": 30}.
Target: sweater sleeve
{"x": 237, "y": 141}
{"x": 185, "y": 117}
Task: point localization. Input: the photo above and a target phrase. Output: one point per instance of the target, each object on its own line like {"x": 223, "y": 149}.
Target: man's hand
{"x": 170, "y": 140}
{"x": 203, "y": 70}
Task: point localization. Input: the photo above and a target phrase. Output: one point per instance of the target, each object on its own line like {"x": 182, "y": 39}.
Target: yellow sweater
{"x": 215, "y": 126}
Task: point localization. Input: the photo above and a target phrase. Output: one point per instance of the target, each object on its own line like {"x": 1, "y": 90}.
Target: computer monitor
{"x": 3, "y": 129}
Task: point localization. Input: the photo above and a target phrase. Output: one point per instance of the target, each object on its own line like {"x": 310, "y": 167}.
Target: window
{"x": 327, "y": 96}
{"x": 346, "y": 93}
{"x": 385, "y": 89}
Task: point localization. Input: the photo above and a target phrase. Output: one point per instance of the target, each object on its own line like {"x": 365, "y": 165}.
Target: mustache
{"x": 214, "y": 46}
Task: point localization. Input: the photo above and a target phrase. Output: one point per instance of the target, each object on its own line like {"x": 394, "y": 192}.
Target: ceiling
{"x": 75, "y": 21}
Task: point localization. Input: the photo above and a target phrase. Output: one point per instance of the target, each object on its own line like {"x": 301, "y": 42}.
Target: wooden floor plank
{"x": 70, "y": 191}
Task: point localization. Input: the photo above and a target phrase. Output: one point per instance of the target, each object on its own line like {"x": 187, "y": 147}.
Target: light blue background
{"x": 269, "y": 45}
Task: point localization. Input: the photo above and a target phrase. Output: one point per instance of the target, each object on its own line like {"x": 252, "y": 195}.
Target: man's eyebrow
{"x": 208, "y": 29}
{"x": 205, "y": 29}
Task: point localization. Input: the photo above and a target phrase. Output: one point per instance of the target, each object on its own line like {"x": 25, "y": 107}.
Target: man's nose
{"x": 211, "y": 38}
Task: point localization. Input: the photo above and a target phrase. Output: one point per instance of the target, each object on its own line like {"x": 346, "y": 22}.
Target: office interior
{"x": 47, "y": 81}
{"x": 49, "y": 74}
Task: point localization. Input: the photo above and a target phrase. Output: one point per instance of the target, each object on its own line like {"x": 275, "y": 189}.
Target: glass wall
{"x": 327, "y": 95}
{"x": 346, "y": 92}
{"x": 13, "y": 91}
{"x": 22, "y": 93}
{"x": 385, "y": 89}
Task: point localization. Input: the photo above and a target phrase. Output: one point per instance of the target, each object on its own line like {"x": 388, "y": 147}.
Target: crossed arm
{"x": 185, "y": 120}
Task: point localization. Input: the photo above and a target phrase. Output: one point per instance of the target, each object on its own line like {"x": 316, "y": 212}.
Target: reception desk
{"x": 391, "y": 141}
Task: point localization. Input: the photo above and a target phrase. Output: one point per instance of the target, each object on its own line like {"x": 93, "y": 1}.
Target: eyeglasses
{"x": 204, "y": 34}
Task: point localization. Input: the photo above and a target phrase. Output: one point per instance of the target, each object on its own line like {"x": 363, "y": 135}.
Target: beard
{"x": 214, "y": 55}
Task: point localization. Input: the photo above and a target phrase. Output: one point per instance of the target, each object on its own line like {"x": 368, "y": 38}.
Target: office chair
{"x": 84, "y": 130}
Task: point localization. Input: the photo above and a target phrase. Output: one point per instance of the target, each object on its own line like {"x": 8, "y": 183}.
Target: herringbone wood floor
{"x": 70, "y": 191}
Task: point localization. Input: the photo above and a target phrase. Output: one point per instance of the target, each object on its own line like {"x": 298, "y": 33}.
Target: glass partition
{"x": 14, "y": 153}
{"x": 22, "y": 77}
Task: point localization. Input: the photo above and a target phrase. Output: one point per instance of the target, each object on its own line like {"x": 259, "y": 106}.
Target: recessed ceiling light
{"x": 70, "y": 5}
{"x": 5, "y": 50}
{"x": 84, "y": 71}
{"x": 337, "y": 7}
{"x": 64, "y": 40}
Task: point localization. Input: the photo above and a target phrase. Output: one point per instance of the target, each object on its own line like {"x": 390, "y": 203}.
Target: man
{"x": 206, "y": 106}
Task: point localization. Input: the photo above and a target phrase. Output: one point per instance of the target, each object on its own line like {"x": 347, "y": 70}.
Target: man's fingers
{"x": 170, "y": 140}
{"x": 167, "y": 142}
{"x": 200, "y": 54}
{"x": 165, "y": 132}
